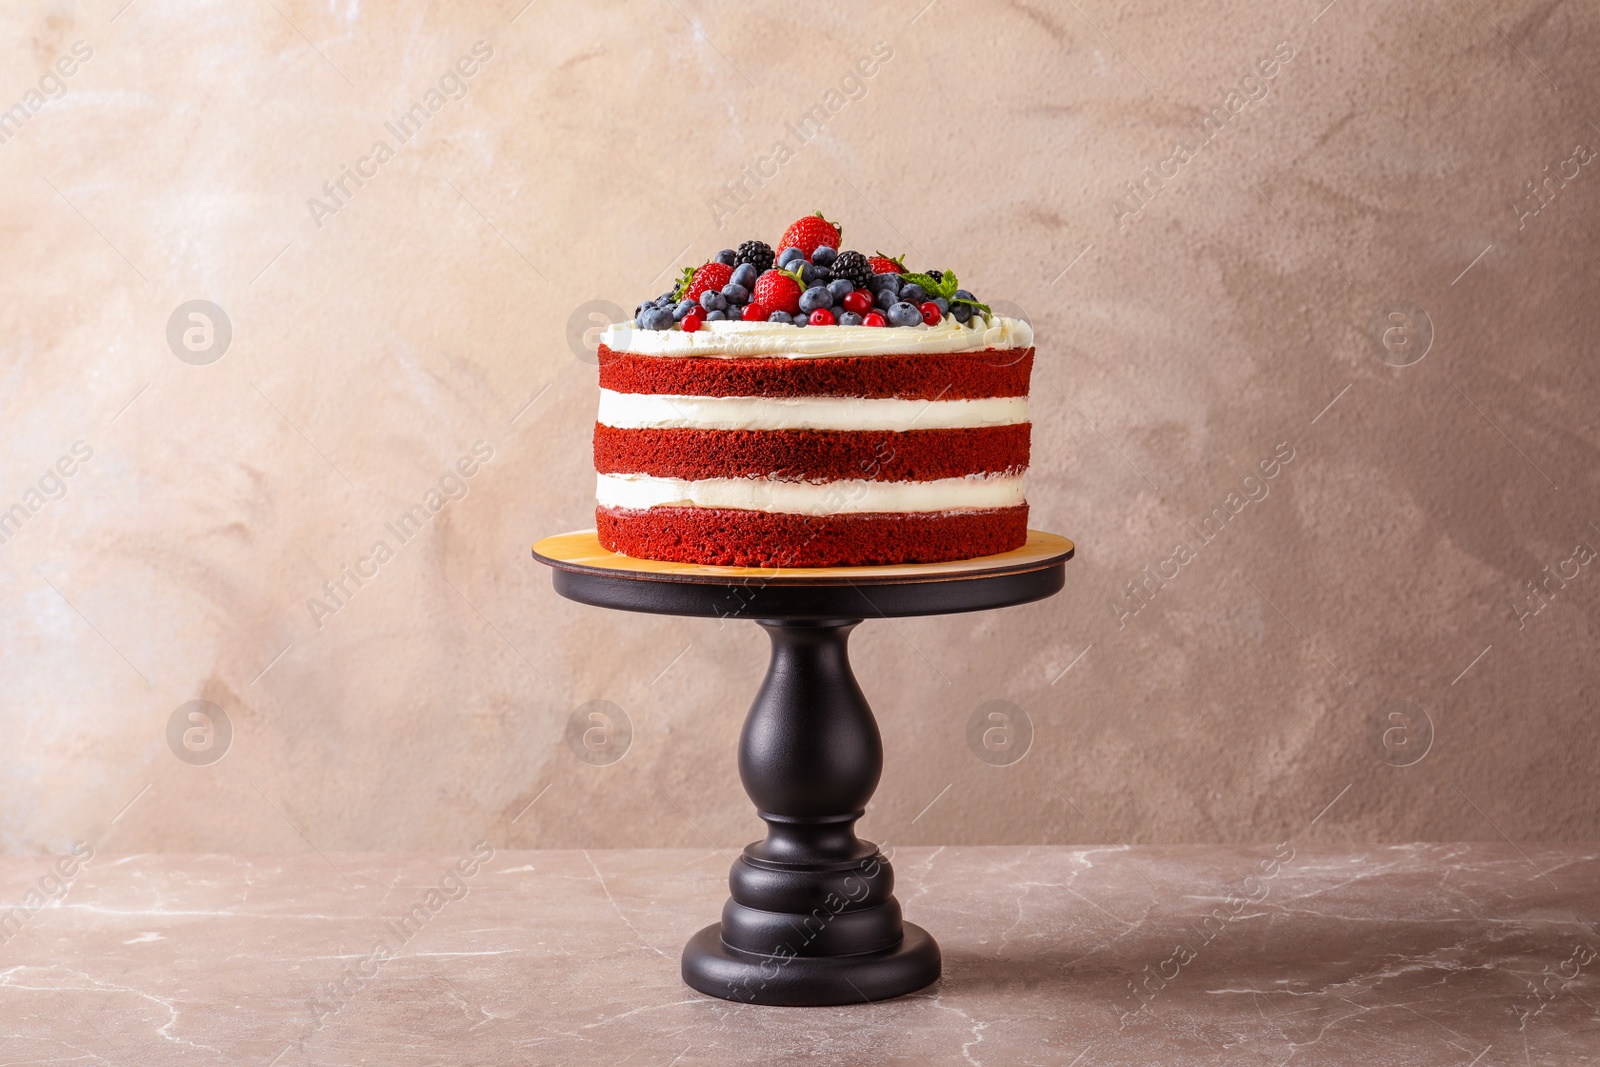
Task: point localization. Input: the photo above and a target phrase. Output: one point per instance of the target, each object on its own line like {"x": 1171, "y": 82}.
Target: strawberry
{"x": 697, "y": 280}
{"x": 882, "y": 264}
{"x": 809, "y": 234}
{"x": 778, "y": 290}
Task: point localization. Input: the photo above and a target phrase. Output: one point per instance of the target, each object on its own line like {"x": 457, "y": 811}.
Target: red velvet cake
{"x": 829, "y": 410}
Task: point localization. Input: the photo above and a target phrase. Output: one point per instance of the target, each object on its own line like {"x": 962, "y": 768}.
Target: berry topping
{"x": 699, "y": 280}
{"x": 757, "y": 254}
{"x": 816, "y": 297}
{"x": 854, "y": 267}
{"x": 810, "y": 282}
{"x": 858, "y": 301}
{"x": 905, "y": 313}
{"x": 809, "y": 234}
{"x": 779, "y": 291}
{"x": 654, "y": 319}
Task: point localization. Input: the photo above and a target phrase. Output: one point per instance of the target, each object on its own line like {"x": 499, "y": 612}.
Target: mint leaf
{"x": 945, "y": 287}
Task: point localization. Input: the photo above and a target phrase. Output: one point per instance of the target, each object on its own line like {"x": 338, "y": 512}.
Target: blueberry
{"x": 716, "y": 316}
{"x": 943, "y": 304}
{"x": 962, "y": 294}
{"x": 666, "y": 298}
{"x": 683, "y": 308}
{"x": 712, "y": 300}
{"x": 658, "y": 319}
{"x": 880, "y": 281}
{"x": 885, "y": 299}
{"x": 811, "y": 274}
{"x": 961, "y": 312}
{"x": 745, "y": 274}
{"x": 824, "y": 256}
{"x": 736, "y": 294}
{"x": 726, "y": 257}
{"x": 789, "y": 255}
{"x": 799, "y": 320}
{"x": 814, "y": 298}
{"x": 849, "y": 318}
{"x": 905, "y": 313}
{"x": 912, "y": 293}
{"x": 840, "y": 288}
{"x": 780, "y": 316}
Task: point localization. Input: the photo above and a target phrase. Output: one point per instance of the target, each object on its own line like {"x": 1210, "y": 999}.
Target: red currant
{"x": 755, "y": 313}
{"x": 874, "y": 319}
{"x": 858, "y": 300}
{"x": 822, "y": 317}
{"x": 931, "y": 314}
{"x": 692, "y": 322}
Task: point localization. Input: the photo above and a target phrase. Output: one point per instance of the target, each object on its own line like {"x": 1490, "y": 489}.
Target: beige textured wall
{"x": 1239, "y": 309}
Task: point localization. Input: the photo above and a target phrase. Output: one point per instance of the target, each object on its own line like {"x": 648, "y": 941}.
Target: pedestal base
{"x": 715, "y": 969}
{"x": 811, "y": 917}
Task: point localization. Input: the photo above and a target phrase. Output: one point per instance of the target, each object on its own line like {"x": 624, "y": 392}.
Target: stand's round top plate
{"x": 588, "y": 573}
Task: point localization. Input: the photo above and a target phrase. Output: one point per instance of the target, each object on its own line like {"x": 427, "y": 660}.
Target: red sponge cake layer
{"x": 948, "y": 376}
{"x": 812, "y": 455}
{"x": 730, "y": 537}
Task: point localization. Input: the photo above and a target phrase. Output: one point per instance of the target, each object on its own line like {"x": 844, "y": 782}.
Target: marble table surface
{"x": 1459, "y": 954}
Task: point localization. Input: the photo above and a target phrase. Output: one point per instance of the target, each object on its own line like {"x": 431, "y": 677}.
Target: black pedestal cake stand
{"x": 812, "y": 918}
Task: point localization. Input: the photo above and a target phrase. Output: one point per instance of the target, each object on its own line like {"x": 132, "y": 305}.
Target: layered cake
{"x": 812, "y": 408}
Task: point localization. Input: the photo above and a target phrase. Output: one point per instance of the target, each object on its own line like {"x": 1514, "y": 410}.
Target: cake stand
{"x": 812, "y": 918}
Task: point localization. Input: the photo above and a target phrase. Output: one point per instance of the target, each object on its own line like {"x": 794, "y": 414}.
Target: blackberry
{"x": 854, "y": 267}
{"x": 936, "y": 275}
{"x": 756, "y": 253}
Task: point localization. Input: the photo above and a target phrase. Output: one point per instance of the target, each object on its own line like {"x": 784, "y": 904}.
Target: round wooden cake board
{"x": 581, "y": 551}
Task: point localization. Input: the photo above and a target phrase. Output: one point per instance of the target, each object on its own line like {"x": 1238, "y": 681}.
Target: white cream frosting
{"x": 780, "y": 339}
{"x": 846, "y": 496}
{"x": 657, "y": 411}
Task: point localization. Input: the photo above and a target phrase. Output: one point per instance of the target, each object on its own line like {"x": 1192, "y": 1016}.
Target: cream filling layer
{"x": 843, "y": 497}
{"x": 781, "y": 340}
{"x": 657, "y": 411}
